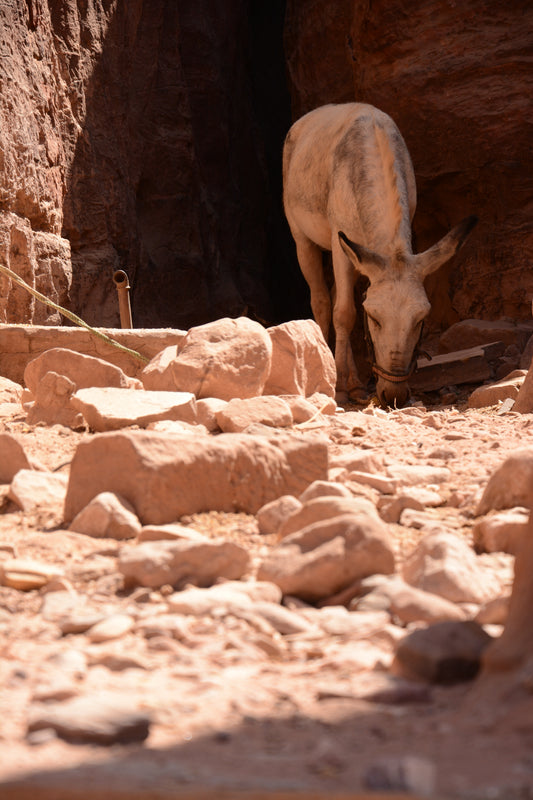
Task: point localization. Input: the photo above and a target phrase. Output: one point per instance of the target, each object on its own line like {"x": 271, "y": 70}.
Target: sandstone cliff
{"x": 147, "y": 136}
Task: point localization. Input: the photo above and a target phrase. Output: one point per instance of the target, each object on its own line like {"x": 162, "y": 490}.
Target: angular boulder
{"x": 323, "y": 508}
{"x": 502, "y": 531}
{"x": 302, "y": 362}
{"x": 107, "y": 516}
{"x": 84, "y": 371}
{"x": 13, "y": 458}
{"x": 494, "y": 393}
{"x": 10, "y": 392}
{"x": 162, "y": 563}
{"x": 445, "y": 653}
{"x": 31, "y": 490}
{"x": 444, "y": 564}
{"x": 238, "y": 414}
{"x": 227, "y": 358}
{"x": 165, "y": 476}
{"x": 329, "y": 555}
{"x": 510, "y": 485}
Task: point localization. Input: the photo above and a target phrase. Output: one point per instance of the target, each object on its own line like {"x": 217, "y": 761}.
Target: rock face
{"x": 96, "y": 99}
{"x": 148, "y": 136}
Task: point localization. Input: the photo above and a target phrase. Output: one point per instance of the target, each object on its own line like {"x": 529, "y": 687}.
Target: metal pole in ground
{"x": 122, "y": 283}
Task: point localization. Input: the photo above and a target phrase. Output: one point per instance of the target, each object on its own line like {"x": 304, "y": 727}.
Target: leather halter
{"x": 392, "y": 377}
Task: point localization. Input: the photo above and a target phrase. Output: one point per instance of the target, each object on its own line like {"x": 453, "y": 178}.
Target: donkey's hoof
{"x": 359, "y": 396}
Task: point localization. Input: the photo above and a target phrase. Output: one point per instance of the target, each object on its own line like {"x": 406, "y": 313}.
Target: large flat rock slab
{"x": 165, "y": 476}
{"x": 109, "y": 408}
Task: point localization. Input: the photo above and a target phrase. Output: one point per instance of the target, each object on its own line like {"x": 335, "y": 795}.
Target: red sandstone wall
{"x": 147, "y": 135}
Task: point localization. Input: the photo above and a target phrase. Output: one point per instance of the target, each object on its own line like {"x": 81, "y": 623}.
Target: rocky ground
{"x": 237, "y": 699}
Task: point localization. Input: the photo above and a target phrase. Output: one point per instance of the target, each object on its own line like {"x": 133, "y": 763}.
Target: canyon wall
{"x": 146, "y": 135}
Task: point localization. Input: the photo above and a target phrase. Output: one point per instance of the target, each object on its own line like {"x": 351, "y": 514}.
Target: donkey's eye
{"x": 374, "y": 320}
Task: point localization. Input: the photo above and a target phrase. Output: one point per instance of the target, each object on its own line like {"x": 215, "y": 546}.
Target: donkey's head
{"x": 396, "y": 305}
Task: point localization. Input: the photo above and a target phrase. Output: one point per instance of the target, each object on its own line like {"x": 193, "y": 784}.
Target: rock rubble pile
{"x": 221, "y": 513}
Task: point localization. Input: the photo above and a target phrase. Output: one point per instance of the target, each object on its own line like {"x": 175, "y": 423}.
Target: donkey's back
{"x": 346, "y": 167}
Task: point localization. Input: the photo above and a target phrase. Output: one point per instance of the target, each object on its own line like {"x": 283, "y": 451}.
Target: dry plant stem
{"x": 71, "y": 316}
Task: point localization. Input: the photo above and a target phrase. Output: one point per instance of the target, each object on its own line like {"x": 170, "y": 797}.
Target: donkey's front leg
{"x": 349, "y": 387}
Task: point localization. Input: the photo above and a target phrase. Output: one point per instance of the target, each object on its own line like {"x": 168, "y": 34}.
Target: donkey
{"x": 349, "y": 187}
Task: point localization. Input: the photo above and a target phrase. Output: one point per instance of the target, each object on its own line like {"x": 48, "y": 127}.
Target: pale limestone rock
{"x": 510, "y": 485}
{"x": 282, "y": 619}
{"x": 302, "y": 362}
{"x": 444, "y": 564}
{"x": 201, "y": 563}
{"x": 31, "y": 490}
{"x": 178, "y": 426}
{"x": 428, "y": 498}
{"x": 79, "y": 620}
{"x": 238, "y": 414}
{"x": 356, "y": 460}
{"x": 52, "y": 402}
{"x": 302, "y": 410}
{"x": 10, "y": 392}
{"x": 382, "y": 483}
{"x": 107, "y": 516}
{"x": 27, "y": 574}
{"x": 227, "y": 358}
{"x": 109, "y": 409}
{"x": 172, "y": 532}
{"x": 494, "y": 393}
{"x": 58, "y": 603}
{"x": 56, "y": 689}
{"x": 230, "y": 595}
{"x": 410, "y": 604}
{"x": 324, "y": 508}
{"x": 327, "y": 556}
{"x": 338, "y": 621}
{"x": 113, "y": 627}
{"x": 324, "y": 489}
{"x": 391, "y": 509}
{"x": 157, "y": 375}
{"x": 100, "y": 718}
{"x": 324, "y": 403}
{"x": 502, "y": 531}
{"x": 13, "y": 457}
{"x": 115, "y": 659}
{"x": 167, "y": 476}
{"x": 207, "y": 409}
{"x": 84, "y": 371}
{"x": 413, "y": 474}
{"x": 446, "y": 652}
{"x": 272, "y": 515}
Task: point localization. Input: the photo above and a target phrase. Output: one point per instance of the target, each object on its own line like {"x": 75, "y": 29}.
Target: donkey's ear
{"x": 430, "y": 260}
{"x": 364, "y": 260}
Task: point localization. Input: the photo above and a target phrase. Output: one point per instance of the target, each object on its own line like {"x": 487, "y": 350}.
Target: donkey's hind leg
{"x": 310, "y": 261}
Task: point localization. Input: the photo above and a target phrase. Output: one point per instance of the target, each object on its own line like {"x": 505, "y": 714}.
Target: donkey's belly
{"x": 312, "y": 225}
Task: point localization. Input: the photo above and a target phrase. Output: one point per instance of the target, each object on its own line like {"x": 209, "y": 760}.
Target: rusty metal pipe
{"x": 121, "y": 281}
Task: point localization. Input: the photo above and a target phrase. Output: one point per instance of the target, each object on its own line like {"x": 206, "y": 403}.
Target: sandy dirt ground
{"x": 232, "y": 714}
